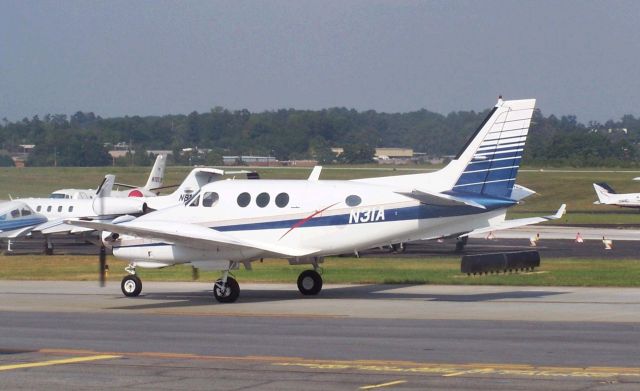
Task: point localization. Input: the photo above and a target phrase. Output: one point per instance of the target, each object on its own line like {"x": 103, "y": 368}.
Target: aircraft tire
{"x": 131, "y": 285}
{"x": 230, "y": 293}
{"x": 309, "y": 282}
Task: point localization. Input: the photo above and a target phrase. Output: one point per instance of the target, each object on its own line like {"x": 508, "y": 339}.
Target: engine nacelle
{"x": 118, "y": 206}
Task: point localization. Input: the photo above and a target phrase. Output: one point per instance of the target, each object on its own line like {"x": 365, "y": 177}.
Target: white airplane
{"x": 228, "y": 223}
{"x": 46, "y": 215}
{"x": 16, "y": 218}
{"x": 608, "y": 196}
{"x": 150, "y": 189}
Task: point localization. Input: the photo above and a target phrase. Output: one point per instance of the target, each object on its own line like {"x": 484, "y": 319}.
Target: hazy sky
{"x": 154, "y": 57}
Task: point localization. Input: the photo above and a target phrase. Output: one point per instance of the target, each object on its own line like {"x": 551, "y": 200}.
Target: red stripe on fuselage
{"x": 301, "y": 222}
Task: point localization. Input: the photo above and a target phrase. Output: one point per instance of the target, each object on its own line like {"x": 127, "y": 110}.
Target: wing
{"x": 190, "y": 235}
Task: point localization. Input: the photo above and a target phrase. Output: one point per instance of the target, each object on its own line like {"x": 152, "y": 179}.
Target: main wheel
{"x": 227, "y": 294}
{"x": 309, "y": 282}
{"x": 131, "y": 285}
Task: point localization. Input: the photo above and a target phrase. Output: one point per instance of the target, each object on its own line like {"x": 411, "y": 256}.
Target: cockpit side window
{"x": 209, "y": 199}
{"x": 15, "y": 213}
{"x": 26, "y": 212}
{"x": 196, "y": 201}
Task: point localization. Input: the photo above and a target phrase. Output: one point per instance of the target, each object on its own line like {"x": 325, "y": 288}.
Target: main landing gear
{"x": 131, "y": 285}
{"x": 309, "y": 282}
{"x": 226, "y": 289}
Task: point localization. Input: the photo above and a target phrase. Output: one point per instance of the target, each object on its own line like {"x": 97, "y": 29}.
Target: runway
{"x": 66, "y": 335}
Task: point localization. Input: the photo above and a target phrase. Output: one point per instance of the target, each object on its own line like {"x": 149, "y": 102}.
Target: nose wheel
{"x": 226, "y": 292}
{"x": 309, "y": 282}
{"x": 131, "y": 285}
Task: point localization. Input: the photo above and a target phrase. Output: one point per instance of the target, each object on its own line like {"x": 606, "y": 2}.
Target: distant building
{"x": 394, "y": 155}
{"x": 250, "y": 160}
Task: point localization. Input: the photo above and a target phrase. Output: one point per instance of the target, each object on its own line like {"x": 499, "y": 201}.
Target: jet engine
{"x": 118, "y": 206}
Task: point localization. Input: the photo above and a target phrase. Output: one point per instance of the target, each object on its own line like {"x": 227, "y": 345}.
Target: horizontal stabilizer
{"x": 519, "y": 222}
{"x": 440, "y": 199}
{"x": 190, "y": 235}
{"x": 520, "y": 192}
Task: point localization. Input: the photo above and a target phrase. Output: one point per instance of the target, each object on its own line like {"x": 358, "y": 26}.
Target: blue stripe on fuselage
{"x": 10, "y": 225}
{"x": 393, "y": 214}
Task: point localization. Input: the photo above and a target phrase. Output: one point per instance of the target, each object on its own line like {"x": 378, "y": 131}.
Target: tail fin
{"x": 197, "y": 178}
{"x": 156, "y": 177}
{"x": 606, "y": 187}
{"x": 489, "y": 162}
{"x": 603, "y": 191}
{"x": 104, "y": 190}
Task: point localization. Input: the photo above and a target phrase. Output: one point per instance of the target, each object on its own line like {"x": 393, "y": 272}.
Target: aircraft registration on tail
{"x": 231, "y": 223}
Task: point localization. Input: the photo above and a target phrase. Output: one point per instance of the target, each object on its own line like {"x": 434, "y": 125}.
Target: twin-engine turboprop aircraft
{"x": 228, "y": 223}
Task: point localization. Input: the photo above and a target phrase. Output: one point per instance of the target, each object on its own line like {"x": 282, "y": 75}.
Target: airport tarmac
{"x": 75, "y": 335}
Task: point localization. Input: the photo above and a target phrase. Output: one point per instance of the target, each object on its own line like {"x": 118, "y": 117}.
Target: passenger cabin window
{"x": 353, "y": 200}
{"x": 26, "y": 212}
{"x": 71, "y": 208}
{"x": 282, "y": 200}
{"x": 262, "y": 199}
{"x": 39, "y": 208}
{"x": 209, "y": 199}
{"x": 244, "y": 199}
{"x": 15, "y": 213}
{"x": 49, "y": 208}
{"x": 60, "y": 208}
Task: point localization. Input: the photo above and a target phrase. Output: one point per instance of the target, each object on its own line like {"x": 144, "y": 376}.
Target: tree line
{"x": 82, "y": 139}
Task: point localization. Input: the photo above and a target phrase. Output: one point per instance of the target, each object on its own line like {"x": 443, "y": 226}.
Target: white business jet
{"x": 46, "y": 216}
{"x": 150, "y": 189}
{"x": 228, "y": 223}
{"x": 608, "y": 196}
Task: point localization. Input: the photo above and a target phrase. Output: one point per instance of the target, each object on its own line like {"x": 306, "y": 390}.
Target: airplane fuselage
{"x": 330, "y": 217}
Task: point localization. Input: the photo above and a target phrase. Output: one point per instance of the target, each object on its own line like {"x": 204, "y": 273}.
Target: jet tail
{"x": 156, "y": 177}
{"x": 603, "y": 191}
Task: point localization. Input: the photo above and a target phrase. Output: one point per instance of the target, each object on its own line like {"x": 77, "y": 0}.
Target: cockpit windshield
{"x": 192, "y": 199}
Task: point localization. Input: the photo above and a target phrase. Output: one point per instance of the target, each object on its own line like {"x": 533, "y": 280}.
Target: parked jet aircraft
{"x": 229, "y": 223}
{"x": 150, "y": 189}
{"x": 47, "y": 215}
{"x": 608, "y": 196}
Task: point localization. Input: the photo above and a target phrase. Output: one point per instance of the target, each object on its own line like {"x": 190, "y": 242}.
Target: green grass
{"x": 445, "y": 270}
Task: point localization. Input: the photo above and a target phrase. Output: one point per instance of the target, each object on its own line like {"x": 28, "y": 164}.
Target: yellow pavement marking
{"x": 391, "y": 383}
{"x": 390, "y": 366}
{"x": 72, "y": 360}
